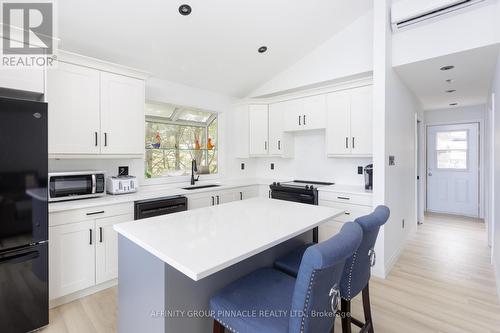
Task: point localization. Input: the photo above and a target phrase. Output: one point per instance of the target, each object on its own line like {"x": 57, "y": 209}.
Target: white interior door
{"x": 453, "y": 169}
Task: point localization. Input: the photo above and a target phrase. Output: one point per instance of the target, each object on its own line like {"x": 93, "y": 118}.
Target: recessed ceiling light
{"x": 262, "y": 49}
{"x": 453, "y": 104}
{"x": 447, "y": 68}
{"x": 450, "y": 81}
{"x": 450, "y": 91}
{"x": 185, "y": 10}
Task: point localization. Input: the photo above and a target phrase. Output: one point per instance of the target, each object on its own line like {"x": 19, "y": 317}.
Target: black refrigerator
{"x": 24, "y": 286}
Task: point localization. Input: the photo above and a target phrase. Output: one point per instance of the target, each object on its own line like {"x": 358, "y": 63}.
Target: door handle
{"x": 100, "y": 234}
{"x": 265, "y": 145}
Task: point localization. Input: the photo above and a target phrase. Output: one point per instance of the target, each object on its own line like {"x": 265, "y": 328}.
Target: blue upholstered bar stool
{"x": 270, "y": 301}
{"x": 357, "y": 269}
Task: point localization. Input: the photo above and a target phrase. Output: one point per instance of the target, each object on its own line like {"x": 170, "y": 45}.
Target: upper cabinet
{"x": 74, "y": 109}
{"x": 122, "y": 114}
{"x": 307, "y": 113}
{"x": 349, "y": 122}
{"x": 281, "y": 143}
{"x": 94, "y": 112}
{"x": 258, "y": 129}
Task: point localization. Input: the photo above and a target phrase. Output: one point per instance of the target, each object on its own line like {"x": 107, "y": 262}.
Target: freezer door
{"x": 23, "y": 173}
{"x": 24, "y": 298}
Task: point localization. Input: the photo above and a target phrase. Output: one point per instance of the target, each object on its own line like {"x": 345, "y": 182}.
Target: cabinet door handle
{"x": 346, "y": 143}
{"x": 218, "y": 201}
{"x": 304, "y": 119}
{"x": 265, "y": 145}
{"x": 105, "y": 139}
{"x": 96, "y": 135}
{"x": 347, "y": 213}
{"x": 299, "y": 120}
{"x": 269, "y": 193}
{"x": 90, "y": 233}
{"x": 343, "y": 198}
{"x": 95, "y": 213}
{"x": 100, "y": 234}
{"x": 241, "y": 195}
{"x": 353, "y": 143}
{"x": 279, "y": 145}
{"x": 213, "y": 201}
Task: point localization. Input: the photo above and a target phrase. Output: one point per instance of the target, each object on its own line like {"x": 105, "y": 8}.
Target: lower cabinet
{"x": 83, "y": 254}
{"x": 208, "y": 199}
{"x": 353, "y": 205}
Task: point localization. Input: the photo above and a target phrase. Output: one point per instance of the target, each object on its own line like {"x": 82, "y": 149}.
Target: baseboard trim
{"x": 496, "y": 270}
{"x": 81, "y": 293}
{"x": 389, "y": 265}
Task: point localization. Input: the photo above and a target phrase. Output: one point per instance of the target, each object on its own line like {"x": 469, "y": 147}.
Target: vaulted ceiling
{"x": 214, "y": 48}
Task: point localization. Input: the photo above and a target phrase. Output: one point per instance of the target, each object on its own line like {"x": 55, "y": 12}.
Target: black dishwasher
{"x": 159, "y": 206}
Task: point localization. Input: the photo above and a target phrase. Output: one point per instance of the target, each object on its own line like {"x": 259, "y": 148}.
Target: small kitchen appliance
{"x": 122, "y": 184}
{"x": 369, "y": 177}
{"x": 76, "y": 185}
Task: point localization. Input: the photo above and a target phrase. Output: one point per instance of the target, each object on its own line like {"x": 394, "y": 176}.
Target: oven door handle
{"x": 94, "y": 184}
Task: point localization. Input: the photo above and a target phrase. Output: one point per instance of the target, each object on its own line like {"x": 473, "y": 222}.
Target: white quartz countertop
{"x": 152, "y": 192}
{"x": 350, "y": 189}
{"x": 204, "y": 241}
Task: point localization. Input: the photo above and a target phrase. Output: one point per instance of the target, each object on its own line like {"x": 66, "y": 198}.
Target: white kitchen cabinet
{"x": 74, "y": 110}
{"x": 308, "y": 113}
{"x": 30, "y": 79}
{"x": 200, "y": 201}
{"x": 214, "y": 198}
{"x": 122, "y": 114}
{"x": 349, "y": 122}
{"x": 106, "y": 256}
{"x": 281, "y": 143}
{"x": 240, "y": 131}
{"x": 258, "y": 129}
{"x": 362, "y": 121}
{"x": 71, "y": 258}
{"x": 248, "y": 192}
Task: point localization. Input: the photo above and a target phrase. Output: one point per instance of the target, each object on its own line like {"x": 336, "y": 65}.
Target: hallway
{"x": 443, "y": 282}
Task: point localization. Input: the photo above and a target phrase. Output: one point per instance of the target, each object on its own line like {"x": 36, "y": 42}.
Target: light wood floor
{"x": 443, "y": 282}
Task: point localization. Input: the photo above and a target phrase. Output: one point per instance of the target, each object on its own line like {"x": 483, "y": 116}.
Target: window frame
{"x": 173, "y": 121}
{"x": 467, "y": 157}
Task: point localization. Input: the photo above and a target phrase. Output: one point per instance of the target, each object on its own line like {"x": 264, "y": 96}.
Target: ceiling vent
{"x": 406, "y": 13}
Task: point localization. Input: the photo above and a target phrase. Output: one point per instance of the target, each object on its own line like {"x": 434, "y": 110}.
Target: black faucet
{"x": 193, "y": 170}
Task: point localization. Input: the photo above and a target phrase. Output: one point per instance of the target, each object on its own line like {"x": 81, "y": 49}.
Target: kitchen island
{"x": 170, "y": 266}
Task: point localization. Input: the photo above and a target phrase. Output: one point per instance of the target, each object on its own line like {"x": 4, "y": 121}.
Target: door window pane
{"x": 451, "y": 150}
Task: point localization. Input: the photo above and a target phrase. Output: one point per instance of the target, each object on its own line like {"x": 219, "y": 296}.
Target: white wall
{"x": 447, "y": 34}
{"x": 496, "y": 222}
{"x": 347, "y": 53}
{"x": 460, "y": 114}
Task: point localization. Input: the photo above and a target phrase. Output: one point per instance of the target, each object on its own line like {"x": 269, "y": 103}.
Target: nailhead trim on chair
{"x": 350, "y": 275}
{"x": 309, "y": 288}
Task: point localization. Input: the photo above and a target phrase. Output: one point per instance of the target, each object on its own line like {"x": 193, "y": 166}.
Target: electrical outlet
{"x": 272, "y": 166}
{"x": 123, "y": 171}
{"x": 403, "y": 223}
{"x": 242, "y": 166}
{"x": 360, "y": 170}
{"x": 392, "y": 160}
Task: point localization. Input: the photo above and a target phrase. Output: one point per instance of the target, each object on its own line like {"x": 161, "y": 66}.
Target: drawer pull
{"x": 95, "y": 213}
{"x": 343, "y": 198}
{"x": 347, "y": 213}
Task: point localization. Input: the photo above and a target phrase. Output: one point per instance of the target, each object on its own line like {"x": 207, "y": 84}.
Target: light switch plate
{"x": 392, "y": 160}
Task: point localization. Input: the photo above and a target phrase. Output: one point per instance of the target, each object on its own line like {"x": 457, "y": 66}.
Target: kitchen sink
{"x": 200, "y": 187}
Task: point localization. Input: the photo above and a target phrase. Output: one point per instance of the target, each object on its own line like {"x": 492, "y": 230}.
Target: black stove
{"x": 301, "y": 191}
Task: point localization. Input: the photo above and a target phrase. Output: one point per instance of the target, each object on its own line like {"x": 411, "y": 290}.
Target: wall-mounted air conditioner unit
{"x": 406, "y": 13}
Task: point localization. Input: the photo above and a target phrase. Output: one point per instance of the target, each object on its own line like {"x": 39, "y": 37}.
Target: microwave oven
{"x": 76, "y": 185}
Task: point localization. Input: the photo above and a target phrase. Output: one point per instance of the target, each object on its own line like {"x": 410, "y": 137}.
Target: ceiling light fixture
{"x": 450, "y": 81}
{"x": 262, "y": 49}
{"x": 447, "y": 68}
{"x": 185, "y": 10}
{"x": 450, "y": 91}
{"x": 453, "y": 104}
